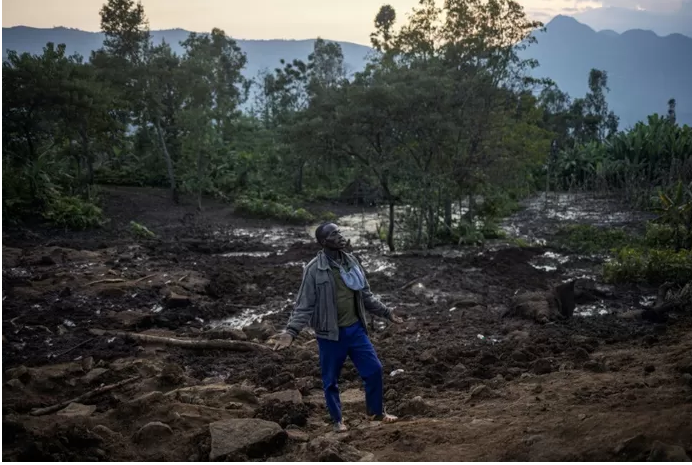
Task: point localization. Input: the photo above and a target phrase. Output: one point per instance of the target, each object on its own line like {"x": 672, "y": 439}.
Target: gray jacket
{"x": 316, "y": 302}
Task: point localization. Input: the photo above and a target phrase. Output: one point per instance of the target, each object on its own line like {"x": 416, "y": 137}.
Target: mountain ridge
{"x": 645, "y": 69}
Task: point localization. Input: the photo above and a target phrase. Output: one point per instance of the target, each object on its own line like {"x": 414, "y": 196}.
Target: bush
{"x": 73, "y": 213}
{"x": 652, "y": 266}
{"x": 259, "y": 208}
{"x": 141, "y": 231}
{"x": 661, "y": 236}
{"x": 592, "y": 239}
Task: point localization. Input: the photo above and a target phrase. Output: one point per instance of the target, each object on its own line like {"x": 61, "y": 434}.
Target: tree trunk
{"x": 169, "y": 162}
{"x": 299, "y": 178}
{"x": 431, "y": 227}
{"x": 201, "y": 168}
{"x": 390, "y": 232}
{"x": 448, "y": 213}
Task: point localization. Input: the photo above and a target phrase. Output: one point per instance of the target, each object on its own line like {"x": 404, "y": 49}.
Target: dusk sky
{"x": 347, "y": 20}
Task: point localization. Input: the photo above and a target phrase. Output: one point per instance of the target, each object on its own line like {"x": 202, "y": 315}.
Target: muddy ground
{"x": 467, "y": 383}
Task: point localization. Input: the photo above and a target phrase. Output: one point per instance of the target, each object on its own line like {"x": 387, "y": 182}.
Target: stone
{"x": 297, "y": 435}
{"x": 152, "y": 433}
{"x": 75, "y": 410}
{"x": 250, "y": 436}
{"x": 632, "y": 447}
{"x": 415, "y": 406}
{"x": 174, "y": 300}
{"x": 482, "y": 391}
{"x": 542, "y": 366}
{"x": 94, "y": 374}
{"x": 15, "y": 384}
{"x": 368, "y": 457}
{"x": 649, "y": 369}
{"x": 214, "y": 395}
{"x": 292, "y": 396}
{"x": 172, "y": 374}
{"x": 427, "y": 356}
{"x": 329, "y": 449}
{"x": 21, "y": 373}
{"x": 581, "y": 355}
{"x": 87, "y": 364}
{"x": 661, "y": 452}
{"x": 391, "y": 394}
{"x": 104, "y": 432}
{"x": 111, "y": 292}
{"x": 352, "y": 397}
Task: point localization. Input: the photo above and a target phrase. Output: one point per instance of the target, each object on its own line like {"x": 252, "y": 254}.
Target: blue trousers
{"x": 354, "y": 343}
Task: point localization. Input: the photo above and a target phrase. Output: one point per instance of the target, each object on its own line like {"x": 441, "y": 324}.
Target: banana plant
{"x": 676, "y": 211}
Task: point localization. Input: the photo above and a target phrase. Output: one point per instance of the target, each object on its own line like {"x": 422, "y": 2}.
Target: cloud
{"x": 658, "y": 6}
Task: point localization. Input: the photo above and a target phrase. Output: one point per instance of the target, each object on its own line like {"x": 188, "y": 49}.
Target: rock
{"x": 15, "y": 384}
{"x": 260, "y": 331}
{"x": 87, "y": 364}
{"x": 94, "y": 374}
{"x": 66, "y": 292}
{"x": 594, "y": 366}
{"x": 537, "y": 389}
{"x": 62, "y": 330}
{"x": 632, "y": 447}
{"x": 542, "y": 366}
{"x": 649, "y": 369}
{"x": 391, "y": 394}
{"x": 297, "y": 435}
{"x": 581, "y": 355}
{"x": 21, "y": 373}
{"x": 292, "y": 395}
{"x": 104, "y": 432}
{"x": 368, "y": 457}
{"x": 214, "y": 395}
{"x": 687, "y": 379}
{"x": 251, "y": 436}
{"x": 172, "y": 374}
{"x": 152, "y": 433}
{"x": 329, "y": 449}
{"x": 661, "y": 452}
{"x": 428, "y": 356}
{"x": 352, "y": 397}
{"x": 482, "y": 391}
{"x": 174, "y": 300}
{"x": 75, "y": 410}
{"x": 415, "y": 406}
{"x": 306, "y": 384}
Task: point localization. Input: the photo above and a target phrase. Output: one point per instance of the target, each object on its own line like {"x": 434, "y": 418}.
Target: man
{"x": 333, "y": 298}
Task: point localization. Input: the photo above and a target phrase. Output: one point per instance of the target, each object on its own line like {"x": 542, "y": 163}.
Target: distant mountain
{"x": 624, "y": 19}
{"x": 261, "y": 53}
{"x": 645, "y": 70}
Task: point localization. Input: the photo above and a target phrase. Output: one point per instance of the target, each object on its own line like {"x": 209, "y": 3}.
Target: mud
{"x": 462, "y": 377}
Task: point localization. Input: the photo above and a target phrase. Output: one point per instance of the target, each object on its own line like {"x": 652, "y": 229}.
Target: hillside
{"x": 645, "y": 69}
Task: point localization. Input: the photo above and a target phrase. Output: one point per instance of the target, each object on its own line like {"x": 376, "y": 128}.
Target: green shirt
{"x": 345, "y": 300}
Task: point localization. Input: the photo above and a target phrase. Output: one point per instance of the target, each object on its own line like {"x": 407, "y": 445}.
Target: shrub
{"x": 652, "y": 266}
{"x": 72, "y": 212}
{"x": 141, "y": 231}
{"x": 267, "y": 209}
{"x": 592, "y": 239}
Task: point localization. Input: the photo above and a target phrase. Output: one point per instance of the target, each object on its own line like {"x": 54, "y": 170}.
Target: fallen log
{"x": 84, "y": 397}
{"x": 201, "y": 344}
{"x": 109, "y": 281}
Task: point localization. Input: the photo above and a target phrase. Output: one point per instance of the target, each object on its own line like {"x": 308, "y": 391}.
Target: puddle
{"x": 245, "y": 318}
{"x": 252, "y": 254}
{"x": 597, "y": 309}
{"x": 549, "y": 261}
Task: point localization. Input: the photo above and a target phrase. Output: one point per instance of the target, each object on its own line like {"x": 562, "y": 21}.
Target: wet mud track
{"x": 467, "y": 383}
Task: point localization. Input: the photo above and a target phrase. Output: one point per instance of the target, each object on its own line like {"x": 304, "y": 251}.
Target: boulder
{"x": 250, "y": 436}
{"x": 260, "y": 331}
{"x": 542, "y": 366}
{"x": 94, "y": 375}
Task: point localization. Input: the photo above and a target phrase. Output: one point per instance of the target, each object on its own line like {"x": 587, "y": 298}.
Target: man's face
{"x": 331, "y": 238}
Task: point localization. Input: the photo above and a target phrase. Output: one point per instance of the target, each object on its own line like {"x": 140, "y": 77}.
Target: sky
{"x": 346, "y": 20}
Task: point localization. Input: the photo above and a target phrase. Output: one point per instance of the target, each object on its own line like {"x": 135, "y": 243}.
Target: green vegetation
{"x": 593, "y": 239}
{"x": 652, "y": 266}
{"x": 259, "y": 208}
{"x": 141, "y": 231}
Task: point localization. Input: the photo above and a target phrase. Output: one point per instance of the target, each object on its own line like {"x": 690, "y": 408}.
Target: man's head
{"x": 329, "y": 236}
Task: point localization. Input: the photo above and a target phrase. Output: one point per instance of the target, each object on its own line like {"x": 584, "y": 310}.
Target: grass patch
{"x": 71, "y": 212}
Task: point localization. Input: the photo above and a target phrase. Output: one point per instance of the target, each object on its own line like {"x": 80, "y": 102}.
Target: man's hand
{"x": 395, "y": 319}
{"x": 285, "y": 341}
